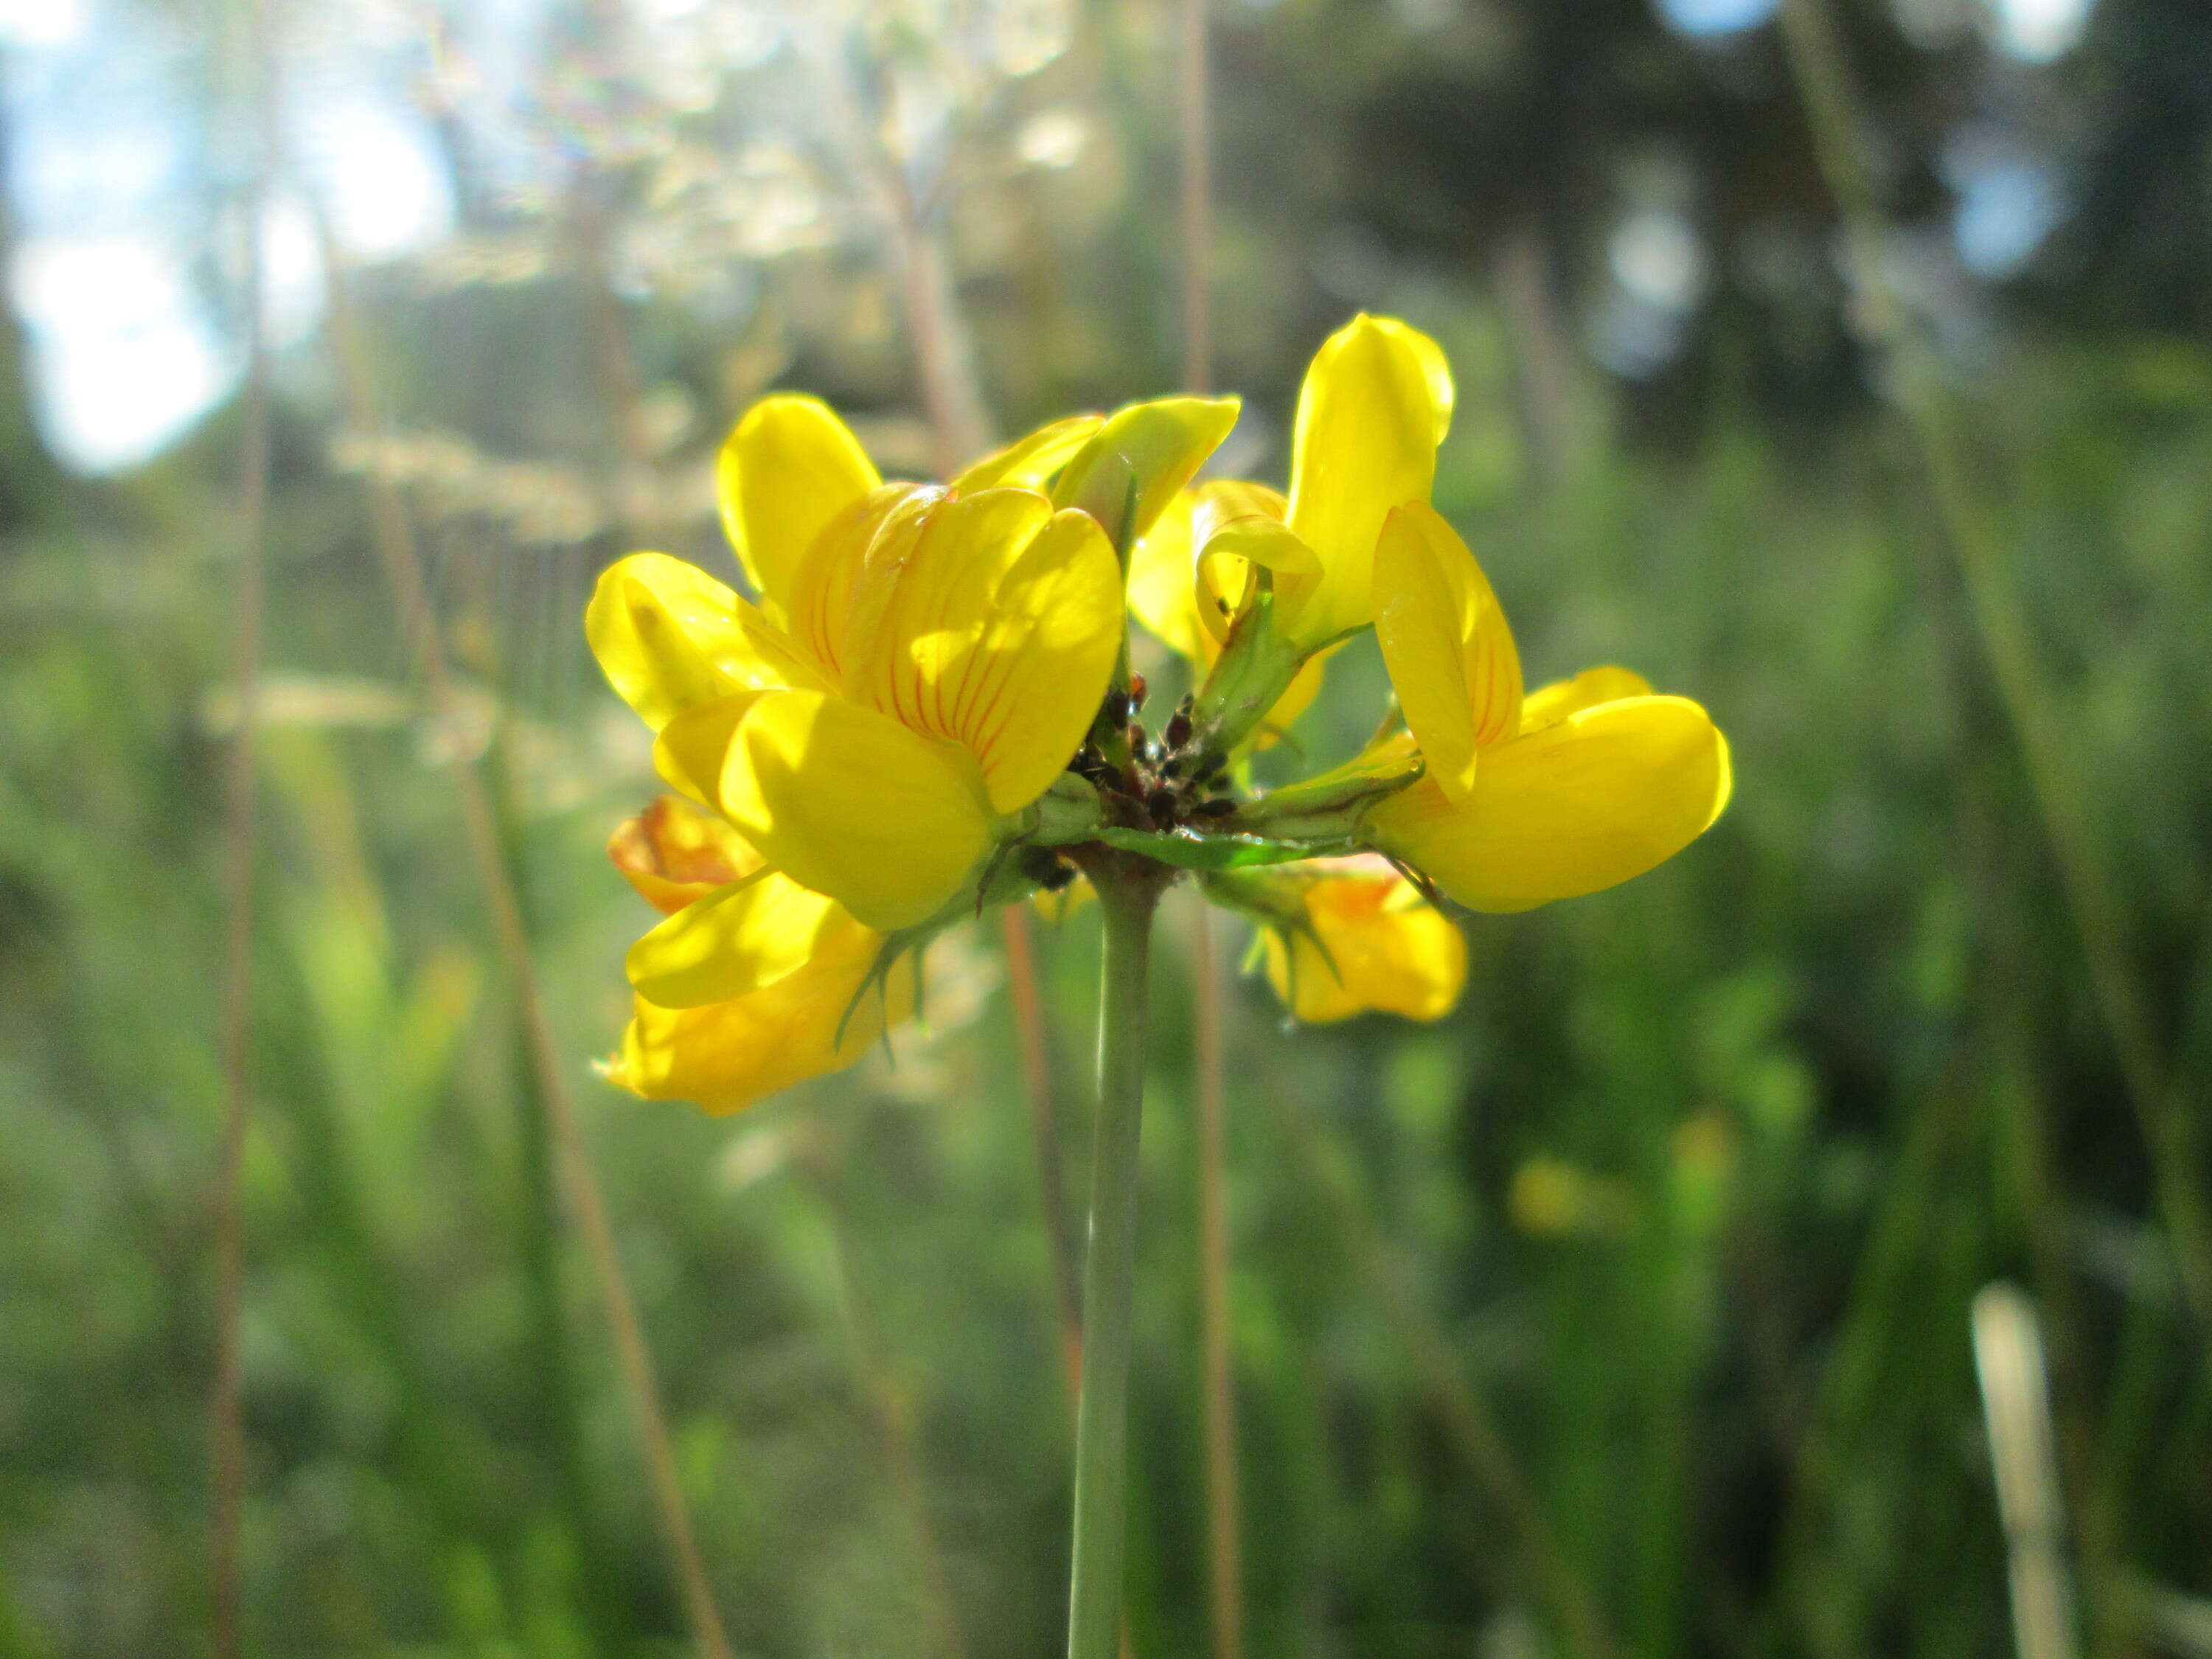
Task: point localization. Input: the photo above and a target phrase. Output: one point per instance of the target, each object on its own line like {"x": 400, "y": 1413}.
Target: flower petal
{"x": 1585, "y": 804}
{"x": 1554, "y": 703}
{"x": 1451, "y": 656}
{"x": 786, "y": 471}
{"x": 1381, "y": 948}
{"x": 748, "y": 934}
{"x": 998, "y": 633}
{"x": 726, "y": 1055}
{"x": 1030, "y": 462}
{"x": 1149, "y": 452}
{"x": 689, "y": 752}
{"x": 878, "y": 530}
{"x": 675, "y": 855}
{"x": 669, "y": 637}
{"x": 848, "y": 802}
{"x": 1373, "y": 407}
{"x": 1163, "y": 587}
{"x": 1229, "y": 556}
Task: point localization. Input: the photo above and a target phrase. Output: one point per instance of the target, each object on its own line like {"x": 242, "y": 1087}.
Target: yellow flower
{"x": 745, "y": 988}
{"x": 1374, "y": 943}
{"x": 1575, "y": 787}
{"x": 944, "y": 656}
{"x": 924, "y": 661}
{"x": 1375, "y": 402}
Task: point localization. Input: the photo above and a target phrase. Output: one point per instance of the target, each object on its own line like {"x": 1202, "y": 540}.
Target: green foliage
{"x": 1695, "y": 1187}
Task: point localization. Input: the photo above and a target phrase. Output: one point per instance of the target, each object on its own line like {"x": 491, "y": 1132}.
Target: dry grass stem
{"x": 240, "y": 838}
{"x": 2016, "y": 1407}
{"x": 395, "y": 547}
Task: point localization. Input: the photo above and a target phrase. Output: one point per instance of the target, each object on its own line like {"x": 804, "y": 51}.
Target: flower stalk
{"x": 1128, "y": 893}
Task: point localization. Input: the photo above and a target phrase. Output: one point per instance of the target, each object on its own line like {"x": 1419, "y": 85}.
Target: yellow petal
{"x": 1163, "y": 586}
{"x": 1030, "y": 462}
{"x": 848, "y": 802}
{"x": 1451, "y": 656}
{"x": 1057, "y": 907}
{"x": 1382, "y": 949}
{"x": 1373, "y": 407}
{"x": 878, "y": 530}
{"x": 1187, "y": 600}
{"x": 675, "y": 855}
{"x": 726, "y": 1055}
{"x": 669, "y": 637}
{"x": 1221, "y": 502}
{"x": 689, "y": 753}
{"x": 998, "y": 632}
{"x": 1144, "y": 454}
{"x": 786, "y": 471}
{"x": 1228, "y": 558}
{"x": 1297, "y": 698}
{"x": 746, "y": 935}
{"x": 1554, "y": 703}
{"x": 1585, "y": 804}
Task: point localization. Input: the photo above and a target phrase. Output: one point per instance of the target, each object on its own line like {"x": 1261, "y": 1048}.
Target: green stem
{"x": 1127, "y": 893}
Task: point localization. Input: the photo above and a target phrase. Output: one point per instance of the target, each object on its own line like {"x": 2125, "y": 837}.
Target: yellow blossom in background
{"x": 776, "y": 971}
{"x": 1368, "y": 943}
{"x": 675, "y": 855}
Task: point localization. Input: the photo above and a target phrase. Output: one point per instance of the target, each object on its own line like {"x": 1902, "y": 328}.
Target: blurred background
{"x": 1850, "y": 370}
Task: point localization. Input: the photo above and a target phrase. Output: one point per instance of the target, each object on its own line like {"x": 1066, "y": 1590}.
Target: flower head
{"x": 928, "y": 708}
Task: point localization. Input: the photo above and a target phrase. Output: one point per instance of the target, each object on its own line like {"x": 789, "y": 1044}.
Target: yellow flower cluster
{"x": 928, "y": 709}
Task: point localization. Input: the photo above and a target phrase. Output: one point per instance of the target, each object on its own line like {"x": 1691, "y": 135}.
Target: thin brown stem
{"x": 402, "y": 565}
{"x": 1195, "y": 106}
{"x": 1822, "y": 69}
{"x": 241, "y": 838}
{"x": 959, "y": 423}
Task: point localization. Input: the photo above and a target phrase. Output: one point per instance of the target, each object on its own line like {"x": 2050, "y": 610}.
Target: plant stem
{"x": 1128, "y": 892}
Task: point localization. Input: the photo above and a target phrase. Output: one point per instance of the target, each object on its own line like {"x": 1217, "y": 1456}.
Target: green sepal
{"x": 1255, "y": 668}
{"x": 1272, "y": 904}
{"x": 1068, "y": 813}
{"x": 1340, "y": 794}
